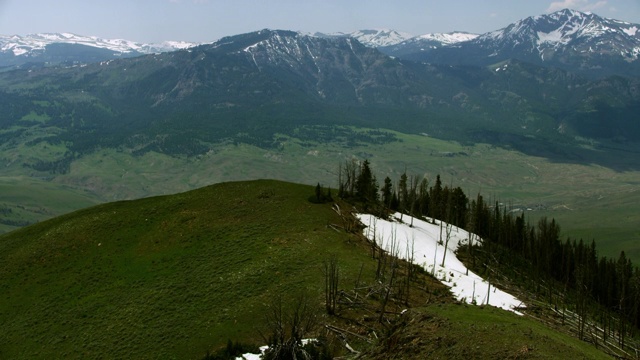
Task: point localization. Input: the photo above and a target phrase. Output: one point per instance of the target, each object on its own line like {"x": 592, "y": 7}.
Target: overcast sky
{"x": 209, "y": 20}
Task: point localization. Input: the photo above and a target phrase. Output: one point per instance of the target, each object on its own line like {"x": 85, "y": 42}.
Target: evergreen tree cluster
{"x": 411, "y": 196}
{"x": 614, "y": 284}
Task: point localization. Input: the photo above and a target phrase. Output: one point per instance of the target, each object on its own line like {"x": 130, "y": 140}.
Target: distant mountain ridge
{"x": 53, "y": 48}
{"x": 579, "y": 42}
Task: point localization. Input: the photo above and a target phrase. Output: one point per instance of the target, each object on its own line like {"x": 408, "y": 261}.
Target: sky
{"x": 208, "y": 20}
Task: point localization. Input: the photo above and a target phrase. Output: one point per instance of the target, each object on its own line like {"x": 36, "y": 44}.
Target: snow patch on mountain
{"x": 447, "y": 38}
{"x": 584, "y": 32}
{"x": 380, "y": 37}
{"x": 372, "y": 38}
{"x": 552, "y": 37}
{"x": 632, "y": 31}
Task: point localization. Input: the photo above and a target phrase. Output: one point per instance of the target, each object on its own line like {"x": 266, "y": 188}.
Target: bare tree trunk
{"x": 446, "y": 245}
{"x": 331, "y": 274}
{"x": 393, "y": 251}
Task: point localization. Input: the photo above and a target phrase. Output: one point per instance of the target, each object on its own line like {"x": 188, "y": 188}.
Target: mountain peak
{"x": 577, "y": 41}
{"x": 587, "y": 31}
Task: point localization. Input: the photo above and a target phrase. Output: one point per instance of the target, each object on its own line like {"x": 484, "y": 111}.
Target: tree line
{"x": 614, "y": 284}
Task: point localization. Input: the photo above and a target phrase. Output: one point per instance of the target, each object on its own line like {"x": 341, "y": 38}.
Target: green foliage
{"x": 321, "y": 195}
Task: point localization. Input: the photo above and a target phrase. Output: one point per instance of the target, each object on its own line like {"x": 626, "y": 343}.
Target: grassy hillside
{"x": 177, "y": 276}
{"x": 166, "y": 276}
{"x": 454, "y": 331}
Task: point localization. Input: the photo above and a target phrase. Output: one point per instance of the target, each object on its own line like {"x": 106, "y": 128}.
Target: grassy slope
{"x": 164, "y": 276}
{"x": 449, "y": 331}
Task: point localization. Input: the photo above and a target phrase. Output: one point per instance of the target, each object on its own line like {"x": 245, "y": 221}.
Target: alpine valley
{"x": 541, "y": 117}
{"x": 274, "y": 98}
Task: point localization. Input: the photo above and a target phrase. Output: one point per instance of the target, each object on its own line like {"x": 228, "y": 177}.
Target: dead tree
{"x": 331, "y": 276}
{"x": 393, "y": 251}
{"x": 286, "y": 329}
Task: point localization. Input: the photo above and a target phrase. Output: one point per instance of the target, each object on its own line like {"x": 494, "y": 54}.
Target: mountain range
{"x": 53, "y": 48}
{"x": 579, "y": 42}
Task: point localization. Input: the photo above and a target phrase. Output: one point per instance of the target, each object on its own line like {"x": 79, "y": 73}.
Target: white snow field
{"x": 427, "y": 242}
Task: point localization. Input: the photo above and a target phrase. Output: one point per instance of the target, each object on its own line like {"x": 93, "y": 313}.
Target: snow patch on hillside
{"x": 428, "y": 241}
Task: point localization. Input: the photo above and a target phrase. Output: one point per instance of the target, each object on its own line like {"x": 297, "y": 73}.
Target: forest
{"x": 568, "y": 273}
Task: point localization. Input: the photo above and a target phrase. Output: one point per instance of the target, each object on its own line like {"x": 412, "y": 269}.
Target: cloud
{"x": 581, "y": 5}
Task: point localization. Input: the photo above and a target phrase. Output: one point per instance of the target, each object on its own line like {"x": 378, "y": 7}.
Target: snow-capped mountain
{"x": 426, "y": 42}
{"x": 568, "y": 39}
{"x": 336, "y": 68}
{"x": 567, "y": 31}
{"x": 373, "y": 38}
{"x": 23, "y": 45}
{"x": 47, "y": 48}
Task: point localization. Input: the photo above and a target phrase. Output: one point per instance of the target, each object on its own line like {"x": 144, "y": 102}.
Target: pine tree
{"x": 386, "y": 192}
{"x": 435, "y": 195}
{"x": 403, "y": 193}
